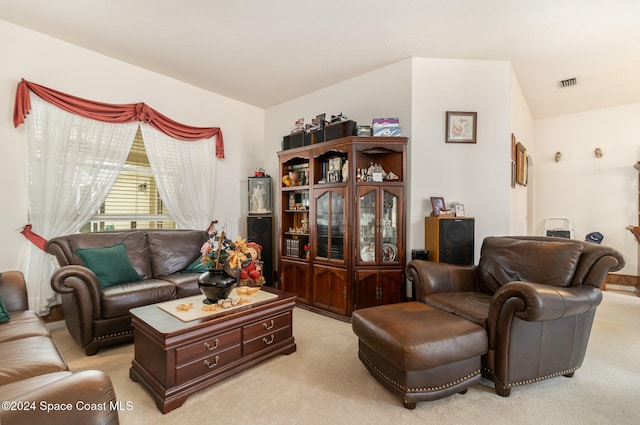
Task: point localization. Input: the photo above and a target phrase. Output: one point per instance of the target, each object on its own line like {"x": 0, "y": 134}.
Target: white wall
{"x": 62, "y": 66}
{"x": 595, "y": 194}
{"x": 522, "y": 197}
{"x": 385, "y": 92}
{"x": 477, "y": 175}
{"x": 419, "y": 91}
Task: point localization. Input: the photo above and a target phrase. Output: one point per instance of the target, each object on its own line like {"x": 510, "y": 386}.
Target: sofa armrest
{"x": 429, "y": 277}
{"x": 84, "y": 284}
{"x": 14, "y": 291}
{"x": 534, "y": 302}
{"x": 88, "y": 397}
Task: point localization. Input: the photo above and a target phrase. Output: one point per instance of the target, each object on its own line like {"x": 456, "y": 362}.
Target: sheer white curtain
{"x": 72, "y": 164}
{"x": 185, "y": 174}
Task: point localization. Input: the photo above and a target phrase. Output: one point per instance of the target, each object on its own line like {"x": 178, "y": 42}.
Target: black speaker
{"x": 449, "y": 239}
{"x": 456, "y": 241}
{"x": 260, "y": 231}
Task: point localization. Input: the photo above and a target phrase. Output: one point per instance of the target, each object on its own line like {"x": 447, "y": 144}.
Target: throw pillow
{"x": 196, "y": 266}
{"x": 4, "y": 313}
{"x": 111, "y": 264}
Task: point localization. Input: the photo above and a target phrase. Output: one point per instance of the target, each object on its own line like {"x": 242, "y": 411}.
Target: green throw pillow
{"x": 196, "y": 266}
{"x": 4, "y": 313}
{"x": 111, "y": 264}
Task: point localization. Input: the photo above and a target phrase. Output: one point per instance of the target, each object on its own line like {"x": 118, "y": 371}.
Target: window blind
{"x": 134, "y": 201}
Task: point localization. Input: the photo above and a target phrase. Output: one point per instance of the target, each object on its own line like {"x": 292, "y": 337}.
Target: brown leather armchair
{"x": 535, "y": 296}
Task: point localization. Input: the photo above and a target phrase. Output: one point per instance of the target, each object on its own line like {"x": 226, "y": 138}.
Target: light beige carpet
{"x": 325, "y": 383}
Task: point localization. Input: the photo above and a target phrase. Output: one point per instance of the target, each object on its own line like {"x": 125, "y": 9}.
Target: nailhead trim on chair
{"x": 113, "y": 335}
{"x": 538, "y": 379}
{"x": 416, "y": 390}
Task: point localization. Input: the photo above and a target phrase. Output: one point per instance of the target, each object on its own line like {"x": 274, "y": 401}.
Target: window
{"x": 134, "y": 201}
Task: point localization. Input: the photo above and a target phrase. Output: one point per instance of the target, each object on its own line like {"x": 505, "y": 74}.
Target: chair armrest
{"x": 534, "y": 302}
{"x": 429, "y": 277}
{"x": 79, "y": 391}
{"x": 84, "y": 283}
{"x": 14, "y": 291}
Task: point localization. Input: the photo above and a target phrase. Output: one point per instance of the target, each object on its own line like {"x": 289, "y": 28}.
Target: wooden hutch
{"x": 341, "y": 227}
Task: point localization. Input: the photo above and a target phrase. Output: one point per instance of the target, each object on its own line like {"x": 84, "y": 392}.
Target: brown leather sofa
{"x": 36, "y": 386}
{"x": 99, "y": 316}
{"x": 536, "y": 297}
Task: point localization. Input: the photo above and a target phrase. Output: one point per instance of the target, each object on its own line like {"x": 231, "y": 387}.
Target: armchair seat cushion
{"x": 473, "y": 306}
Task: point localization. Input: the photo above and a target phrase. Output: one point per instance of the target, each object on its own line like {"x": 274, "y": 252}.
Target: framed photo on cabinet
{"x": 437, "y": 204}
{"x": 461, "y": 127}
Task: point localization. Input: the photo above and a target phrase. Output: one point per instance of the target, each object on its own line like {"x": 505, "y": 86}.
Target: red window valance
{"x": 111, "y": 113}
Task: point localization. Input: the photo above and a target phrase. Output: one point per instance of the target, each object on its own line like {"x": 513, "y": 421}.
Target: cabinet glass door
{"x": 367, "y": 226}
{"x": 330, "y": 225}
{"x": 390, "y": 226}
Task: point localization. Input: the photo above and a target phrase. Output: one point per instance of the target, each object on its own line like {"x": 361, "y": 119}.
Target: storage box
{"x": 293, "y": 140}
{"x": 313, "y": 137}
{"x": 386, "y": 127}
{"x": 339, "y": 129}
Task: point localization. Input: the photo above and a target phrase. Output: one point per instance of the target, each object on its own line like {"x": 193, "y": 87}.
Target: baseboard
{"x": 622, "y": 280}
{"x": 55, "y": 314}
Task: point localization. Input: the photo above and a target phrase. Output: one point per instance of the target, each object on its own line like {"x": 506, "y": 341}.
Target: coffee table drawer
{"x": 208, "y": 346}
{"x": 267, "y": 326}
{"x": 208, "y": 365}
{"x": 265, "y": 341}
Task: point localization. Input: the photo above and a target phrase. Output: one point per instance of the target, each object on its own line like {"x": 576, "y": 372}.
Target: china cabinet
{"x": 341, "y": 229}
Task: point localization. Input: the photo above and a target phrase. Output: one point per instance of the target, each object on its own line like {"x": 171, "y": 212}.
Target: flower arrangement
{"x": 220, "y": 253}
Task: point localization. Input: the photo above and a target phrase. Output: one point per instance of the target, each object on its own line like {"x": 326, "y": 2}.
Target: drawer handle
{"x": 267, "y": 340}
{"x": 270, "y": 326}
{"x": 212, "y": 365}
{"x": 211, "y": 348}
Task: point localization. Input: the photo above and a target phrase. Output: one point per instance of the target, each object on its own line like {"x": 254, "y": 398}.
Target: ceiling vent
{"x": 567, "y": 83}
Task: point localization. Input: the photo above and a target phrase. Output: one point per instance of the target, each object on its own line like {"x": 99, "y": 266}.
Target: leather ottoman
{"x": 419, "y": 352}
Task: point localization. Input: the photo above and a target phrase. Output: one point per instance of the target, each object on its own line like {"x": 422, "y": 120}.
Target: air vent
{"x": 568, "y": 83}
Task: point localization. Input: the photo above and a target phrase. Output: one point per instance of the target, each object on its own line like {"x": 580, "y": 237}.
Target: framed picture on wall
{"x": 461, "y": 127}
{"x": 521, "y": 164}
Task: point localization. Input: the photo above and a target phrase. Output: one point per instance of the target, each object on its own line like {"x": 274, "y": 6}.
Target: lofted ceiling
{"x": 265, "y": 52}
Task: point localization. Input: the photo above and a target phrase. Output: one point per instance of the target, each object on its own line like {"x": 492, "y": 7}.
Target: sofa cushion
{"x": 117, "y": 300}
{"x": 186, "y": 283}
{"x": 28, "y": 357}
{"x": 24, "y": 386}
{"x": 172, "y": 251}
{"x": 504, "y": 260}
{"x": 23, "y": 324}
{"x": 111, "y": 264}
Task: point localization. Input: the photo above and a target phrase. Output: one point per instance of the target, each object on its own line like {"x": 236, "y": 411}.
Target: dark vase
{"x": 216, "y": 285}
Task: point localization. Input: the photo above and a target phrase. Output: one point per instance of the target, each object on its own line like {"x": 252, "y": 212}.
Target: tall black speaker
{"x": 260, "y": 231}
{"x": 450, "y": 239}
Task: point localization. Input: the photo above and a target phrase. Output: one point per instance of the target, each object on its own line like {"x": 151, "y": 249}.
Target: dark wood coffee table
{"x": 174, "y": 359}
